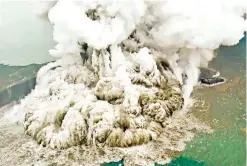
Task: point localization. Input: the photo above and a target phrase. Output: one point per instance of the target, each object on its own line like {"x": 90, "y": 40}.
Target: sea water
{"x": 225, "y": 113}
{"x": 25, "y": 38}
{"x": 223, "y": 109}
{"x": 226, "y": 103}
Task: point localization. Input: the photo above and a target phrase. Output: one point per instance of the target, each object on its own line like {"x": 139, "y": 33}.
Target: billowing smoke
{"x": 124, "y": 67}
{"x": 190, "y": 29}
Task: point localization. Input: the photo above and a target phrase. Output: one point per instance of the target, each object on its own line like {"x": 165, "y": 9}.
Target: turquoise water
{"x": 226, "y": 115}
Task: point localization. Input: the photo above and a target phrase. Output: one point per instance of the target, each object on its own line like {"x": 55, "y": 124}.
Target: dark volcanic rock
{"x": 209, "y": 76}
{"x": 211, "y": 81}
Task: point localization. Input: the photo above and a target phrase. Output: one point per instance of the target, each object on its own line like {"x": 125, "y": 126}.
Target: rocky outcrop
{"x": 210, "y": 77}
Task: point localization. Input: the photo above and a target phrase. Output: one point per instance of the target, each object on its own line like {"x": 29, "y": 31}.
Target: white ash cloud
{"x": 139, "y": 52}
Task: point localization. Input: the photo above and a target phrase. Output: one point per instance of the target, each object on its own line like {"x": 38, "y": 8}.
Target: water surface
{"x": 25, "y": 38}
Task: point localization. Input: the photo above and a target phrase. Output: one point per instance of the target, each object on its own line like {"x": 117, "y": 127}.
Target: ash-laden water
{"x": 19, "y": 149}
{"x": 77, "y": 117}
{"x": 117, "y": 89}
{"x": 88, "y": 118}
{"x": 85, "y": 115}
